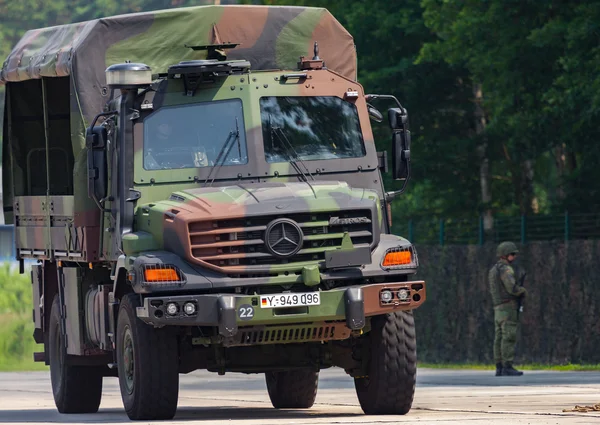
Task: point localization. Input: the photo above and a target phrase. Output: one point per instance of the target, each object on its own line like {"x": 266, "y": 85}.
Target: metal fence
{"x": 521, "y": 229}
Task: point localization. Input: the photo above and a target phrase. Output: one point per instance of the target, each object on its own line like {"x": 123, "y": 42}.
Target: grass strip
{"x": 528, "y": 366}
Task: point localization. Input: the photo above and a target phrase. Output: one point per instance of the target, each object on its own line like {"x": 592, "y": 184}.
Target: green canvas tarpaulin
{"x": 270, "y": 37}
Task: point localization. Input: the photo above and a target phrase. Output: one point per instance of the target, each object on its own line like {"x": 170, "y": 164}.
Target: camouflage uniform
{"x": 505, "y": 295}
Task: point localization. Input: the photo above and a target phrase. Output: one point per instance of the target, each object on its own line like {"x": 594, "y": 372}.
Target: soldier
{"x": 506, "y": 293}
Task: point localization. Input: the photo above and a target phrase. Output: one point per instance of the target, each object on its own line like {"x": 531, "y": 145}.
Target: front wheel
{"x": 76, "y": 389}
{"x": 390, "y": 385}
{"x": 147, "y": 360}
{"x": 294, "y": 389}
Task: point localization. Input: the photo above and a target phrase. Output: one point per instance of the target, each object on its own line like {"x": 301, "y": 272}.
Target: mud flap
{"x": 355, "y": 308}
{"x": 227, "y": 318}
{"x": 38, "y": 304}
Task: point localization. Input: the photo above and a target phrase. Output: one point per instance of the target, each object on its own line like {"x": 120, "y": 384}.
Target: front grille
{"x": 241, "y": 241}
{"x": 289, "y": 334}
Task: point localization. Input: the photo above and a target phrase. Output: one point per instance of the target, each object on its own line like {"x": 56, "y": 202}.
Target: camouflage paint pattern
{"x": 173, "y": 200}
{"x": 45, "y": 229}
{"x": 269, "y": 37}
{"x": 178, "y": 219}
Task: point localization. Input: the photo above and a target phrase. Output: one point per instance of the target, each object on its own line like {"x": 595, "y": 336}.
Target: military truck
{"x": 199, "y": 188}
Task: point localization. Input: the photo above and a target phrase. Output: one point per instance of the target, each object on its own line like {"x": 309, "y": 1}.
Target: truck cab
{"x": 217, "y": 217}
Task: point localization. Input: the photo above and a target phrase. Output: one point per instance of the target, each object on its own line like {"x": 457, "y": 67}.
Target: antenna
{"x": 316, "y": 56}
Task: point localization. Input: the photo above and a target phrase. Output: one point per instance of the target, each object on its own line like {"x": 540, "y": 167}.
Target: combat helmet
{"x": 506, "y": 248}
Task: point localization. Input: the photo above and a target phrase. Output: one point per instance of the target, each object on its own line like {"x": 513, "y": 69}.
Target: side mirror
{"x": 95, "y": 141}
{"x": 374, "y": 114}
{"x": 397, "y": 118}
{"x": 401, "y": 154}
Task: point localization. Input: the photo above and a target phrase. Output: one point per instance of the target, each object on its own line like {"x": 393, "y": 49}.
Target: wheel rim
{"x": 128, "y": 360}
{"x": 57, "y": 361}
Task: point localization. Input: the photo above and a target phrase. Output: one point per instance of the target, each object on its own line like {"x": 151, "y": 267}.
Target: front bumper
{"x": 347, "y": 306}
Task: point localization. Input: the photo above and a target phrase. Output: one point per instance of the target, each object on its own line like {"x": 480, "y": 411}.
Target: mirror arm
{"x": 102, "y": 114}
{"x": 370, "y": 97}
{"x": 389, "y": 196}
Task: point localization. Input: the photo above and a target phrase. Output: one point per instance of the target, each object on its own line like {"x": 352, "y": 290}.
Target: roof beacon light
{"x": 128, "y": 75}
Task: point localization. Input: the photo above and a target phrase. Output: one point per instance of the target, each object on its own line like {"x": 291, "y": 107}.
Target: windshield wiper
{"x": 224, "y": 152}
{"x": 293, "y": 157}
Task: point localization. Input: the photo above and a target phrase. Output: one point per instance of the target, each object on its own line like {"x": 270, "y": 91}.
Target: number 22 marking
{"x": 246, "y": 312}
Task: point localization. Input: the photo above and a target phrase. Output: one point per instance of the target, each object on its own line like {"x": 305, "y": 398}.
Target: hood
{"x": 257, "y": 198}
{"x": 223, "y": 228}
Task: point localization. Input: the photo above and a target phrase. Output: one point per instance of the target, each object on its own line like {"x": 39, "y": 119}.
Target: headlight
{"x": 386, "y": 296}
{"x": 172, "y": 309}
{"x": 403, "y": 294}
{"x": 189, "y": 308}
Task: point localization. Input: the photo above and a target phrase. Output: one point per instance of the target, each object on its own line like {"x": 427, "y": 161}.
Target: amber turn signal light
{"x": 161, "y": 275}
{"x": 397, "y": 258}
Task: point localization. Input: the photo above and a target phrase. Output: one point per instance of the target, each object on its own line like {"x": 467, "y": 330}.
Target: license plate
{"x": 290, "y": 300}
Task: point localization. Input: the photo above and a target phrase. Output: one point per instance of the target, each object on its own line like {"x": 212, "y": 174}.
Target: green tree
{"x": 15, "y": 290}
{"x": 533, "y": 60}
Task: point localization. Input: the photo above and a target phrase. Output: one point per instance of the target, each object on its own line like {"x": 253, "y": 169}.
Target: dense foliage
{"x": 501, "y": 93}
{"x": 15, "y": 290}
{"x": 16, "y": 326}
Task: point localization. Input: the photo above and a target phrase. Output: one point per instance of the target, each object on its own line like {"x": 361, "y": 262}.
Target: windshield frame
{"x": 231, "y": 130}
{"x": 249, "y": 89}
{"x": 168, "y": 96}
{"x": 275, "y": 137}
{"x": 323, "y": 83}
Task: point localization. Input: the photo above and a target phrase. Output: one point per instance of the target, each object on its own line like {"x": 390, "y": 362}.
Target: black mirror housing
{"x": 401, "y": 154}
{"x": 397, "y": 118}
{"x": 95, "y": 141}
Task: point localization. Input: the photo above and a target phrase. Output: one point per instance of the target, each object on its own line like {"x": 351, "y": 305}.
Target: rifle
{"x": 520, "y": 301}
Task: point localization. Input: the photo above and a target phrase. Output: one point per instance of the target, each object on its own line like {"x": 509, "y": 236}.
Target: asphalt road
{"x": 442, "y": 397}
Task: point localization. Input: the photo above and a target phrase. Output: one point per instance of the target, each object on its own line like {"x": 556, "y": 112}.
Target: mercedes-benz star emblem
{"x": 283, "y": 237}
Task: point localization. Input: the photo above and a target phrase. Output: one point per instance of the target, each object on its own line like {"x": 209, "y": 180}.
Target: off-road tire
{"x": 390, "y": 385}
{"x": 149, "y": 387}
{"x": 294, "y": 389}
{"x": 76, "y": 389}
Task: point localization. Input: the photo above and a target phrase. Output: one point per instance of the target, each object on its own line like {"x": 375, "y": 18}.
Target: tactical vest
{"x": 497, "y": 289}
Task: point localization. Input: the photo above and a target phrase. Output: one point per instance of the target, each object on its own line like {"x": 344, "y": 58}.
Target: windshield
{"x": 193, "y": 136}
{"x": 324, "y": 127}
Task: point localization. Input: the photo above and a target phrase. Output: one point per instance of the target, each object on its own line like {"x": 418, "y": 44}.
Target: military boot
{"x": 499, "y": 369}
{"x": 509, "y": 370}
